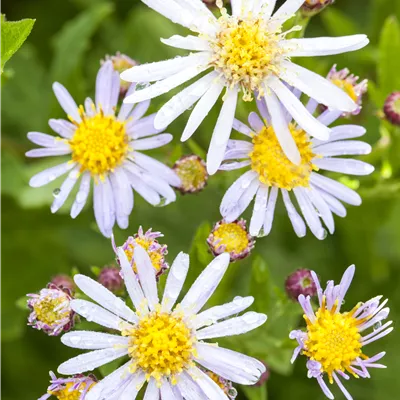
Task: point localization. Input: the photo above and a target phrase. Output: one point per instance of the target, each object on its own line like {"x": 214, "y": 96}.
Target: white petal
{"x": 147, "y": 276}
{"x": 126, "y": 108}
{"x": 148, "y": 193}
{"x": 334, "y": 204}
{"x": 152, "y": 143}
{"x": 64, "y": 128}
{"x": 236, "y": 7}
{"x": 297, "y": 222}
{"x": 152, "y": 391}
{"x": 317, "y": 87}
{"x": 344, "y": 165}
{"x": 234, "y": 165}
{"x": 281, "y": 128}
{"x": 346, "y": 132}
{"x": 233, "y": 326}
{"x": 65, "y": 189}
{"x": 205, "y": 284}
{"x": 242, "y": 128}
{"x": 104, "y": 87}
{"x": 139, "y": 110}
{"x": 123, "y": 192}
{"x": 222, "y": 131}
{"x": 97, "y": 292}
{"x": 287, "y": 10}
{"x": 132, "y": 286}
{"x": 90, "y": 108}
{"x": 143, "y": 127}
{"x": 166, "y": 391}
{"x": 89, "y": 340}
{"x": 295, "y": 107}
{"x": 183, "y": 101}
{"x": 189, "y": 388}
{"x": 90, "y": 361}
{"x": 50, "y": 174}
{"x": 256, "y": 122}
{"x": 82, "y": 195}
{"x": 48, "y": 152}
{"x": 259, "y": 210}
{"x": 187, "y": 43}
{"x": 202, "y": 109}
{"x": 229, "y": 364}
{"x": 269, "y": 215}
{"x": 42, "y": 139}
{"x": 66, "y": 101}
{"x": 216, "y": 313}
{"x": 208, "y": 386}
{"x": 176, "y": 278}
{"x": 132, "y": 389}
{"x": 343, "y": 148}
{"x": 323, "y": 209}
{"x": 324, "y": 46}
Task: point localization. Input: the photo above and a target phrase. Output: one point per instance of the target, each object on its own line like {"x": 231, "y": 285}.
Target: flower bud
{"x": 300, "y": 282}
{"x": 64, "y": 282}
{"x": 313, "y": 7}
{"x": 110, "y": 278}
{"x": 392, "y": 108}
{"x": 193, "y": 173}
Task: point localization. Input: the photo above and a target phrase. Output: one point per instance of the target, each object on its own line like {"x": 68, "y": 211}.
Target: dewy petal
{"x": 66, "y": 101}
{"x": 94, "y": 313}
{"x": 233, "y": 326}
{"x": 132, "y": 286}
{"x": 205, "y": 284}
{"x": 42, "y": 139}
{"x": 317, "y": 87}
{"x": 260, "y": 208}
{"x": 48, "y": 152}
{"x": 344, "y": 165}
{"x": 175, "y": 280}
{"x": 222, "y": 131}
{"x": 153, "y": 142}
{"x": 202, "y": 109}
{"x": 295, "y": 107}
{"x": 90, "y": 361}
{"x": 143, "y": 127}
{"x": 104, "y": 87}
{"x": 287, "y": 10}
{"x": 189, "y": 42}
{"x": 297, "y": 222}
{"x": 133, "y": 387}
{"x": 89, "y": 340}
{"x": 343, "y": 148}
{"x": 269, "y": 214}
{"x": 208, "y": 386}
{"x": 127, "y": 108}
{"x": 334, "y": 204}
{"x": 147, "y": 275}
{"x": 97, "y": 292}
{"x": 183, "y": 101}
{"x": 255, "y": 122}
{"x": 230, "y": 364}
{"x": 189, "y": 388}
{"x": 166, "y": 391}
{"x": 324, "y": 46}
{"x": 345, "y": 284}
{"x": 50, "y": 174}
{"x": 64, "y": 128}
{"x": 82, "y": 195}
{"x": 152, "y": 391}
{"x": 65, "y": 189}
{"x": 281, "y": 128}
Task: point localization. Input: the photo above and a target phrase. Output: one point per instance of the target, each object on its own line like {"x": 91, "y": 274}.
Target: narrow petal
{"x": 256, "y": 122}
{"x": 42, "y": 139}
{"x": 126, "y": 108}
{"x": 189, "y": 388}
{"x": 64, "y": 128}
{"x": 66, "y": 101}
{"x": 287, "y": 10}
{"x": 343, "y": 148}
{"x": 143, "y": 127}
{"x": 132, "y": 389}
{"x": 65, "y": 189}
{"x": 139, "y": 110}
{"x": 260, "y": 208}
{"x": 104, "y": 87}
{"x": 334, "y": 204}
{"x": 89, "y": 340}
{"x": 297, "y": 222}
{"x": 48, "y": 152}
{"x": 153, "y": 142}
{"x": 237, "y": 7}
{"x": 82, "y": 195}
{"x": 166, "y": 391}
{"x": 208, "y": 386}
{"x": 269, "y": 215}
{"x": 242, "y": 128}
{"x": 152, "y": 391}
{"x": 323, "y": 209}
{"x": 344, "y": 165}
{"x": 189, "y": 42}
{"x": 50, "y": 174}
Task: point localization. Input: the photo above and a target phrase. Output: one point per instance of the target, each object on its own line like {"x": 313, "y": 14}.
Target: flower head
{"x": 392, "y": 108}
{"x": 224, "y": 384}
{"x": 300, "y": 282}
{"x": 192, "y": 172}
{"x": 103, "y": 146}
{"x": 231, "y": 237}
{"x": 51, "y": 310}
{"x": 75, "y": 388}
{"x": 64, "y": 281}
{"x": 154, "y": 249}
{"x": 272, "y": 172}
{"x": 312, "y": 7}
{"x": 165, "y": 342}
{"x": 110, "y": 278}
{"x": 246, "y": 52}
{"x": 334, "y": 341}
{"x": 349, "y": 83}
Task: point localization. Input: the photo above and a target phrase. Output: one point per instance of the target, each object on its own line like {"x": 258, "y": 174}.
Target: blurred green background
{"x": 67, "y": 42}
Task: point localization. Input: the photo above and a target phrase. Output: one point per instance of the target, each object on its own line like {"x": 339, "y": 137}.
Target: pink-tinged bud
{"x": 313, "y": 7}
{"x": 300, "y": 282}
{"x": 51, "y": 310}
{"x": 215, "y": 3}
{"x": 192, "y": 172}
{"x": 64, "y": 282}
{"x": 110, "y": 278}
{"x": 232, "y": 237}
{"x": 392, "y": 108}
{"x": 264, "y": 376}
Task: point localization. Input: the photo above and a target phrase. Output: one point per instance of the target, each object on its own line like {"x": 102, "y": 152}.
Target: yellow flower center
{"x": 155, "y": 256}
{"x": 68, "y": 394}
{"x": 232, "y": 236}
{"x": 347, "y": 87}
{"x": 161, "y": 345}
{"x": 272, "y": 165}
{"x": 99, "y": 144}
{"x": 193, "y": 173}
{"x": 246, "y": 52}
{"x": 333, "y": 340}
{"x": 51, "y": 310}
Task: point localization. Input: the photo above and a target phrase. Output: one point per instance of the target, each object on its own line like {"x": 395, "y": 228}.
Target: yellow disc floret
{"x": 272, "y": 165}
{"x": 161, "y": 345}
{"x": 51, "y": 310}
{"x": 232, "y": 236}
{"x": 99, "y": 144}
{"x": 68, "y": 393}
{"x": 333, "y": 340}
{"x": 246, "y": 52}
{"x": 347, "y": 86}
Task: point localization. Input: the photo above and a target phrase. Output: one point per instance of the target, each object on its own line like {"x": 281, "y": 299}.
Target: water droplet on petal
{"x": 377, "y": 325}
{"x": 56, "y": 192}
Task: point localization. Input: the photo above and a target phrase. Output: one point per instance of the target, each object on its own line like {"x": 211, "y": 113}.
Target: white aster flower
{"x": 272, "y": 172}
{"x": 334, "y": 341}
{"x": 104, "y": 147}
{"x": 164, "y": 343}
{"x": 248, "y": 52}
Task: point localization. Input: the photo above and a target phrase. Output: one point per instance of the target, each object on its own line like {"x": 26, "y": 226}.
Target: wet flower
{"x": 193, "y": 173}
{"x": 312, "y": 7}
{"x": 244, "y": 52}
{"x": 51, "y": 310}
{"x": 110, "y": 278}
{"x": 104, "y": 147}
{"x": 300, "y": 282}
{"x": 231, "y": 237}
{"x": 392, "y": 108}
{"x": 224, "y": 384}
{"x": 149, "y": 242}
{"x": 334, "y": 341}
{"x": 264, "y": 376}
{"x": 121, "y": 63}
{"x": 272, "y": 172}
{"x": 349, "y": 83}
{"x": 74, "y": 388}
{"x": 64, "y": 281}
{"x": 164, "y": 343}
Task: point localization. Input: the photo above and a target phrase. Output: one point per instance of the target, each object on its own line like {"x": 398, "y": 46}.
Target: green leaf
{"x": 389, "y": 60}
{"x": 261, "y": 283}
{"x": 73, "y": 40}
{"x": 338, "y": 23}
{"x": 22, "y": 303}
{"x": 13, "y": 35}
{"x": 255, "y": 392}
